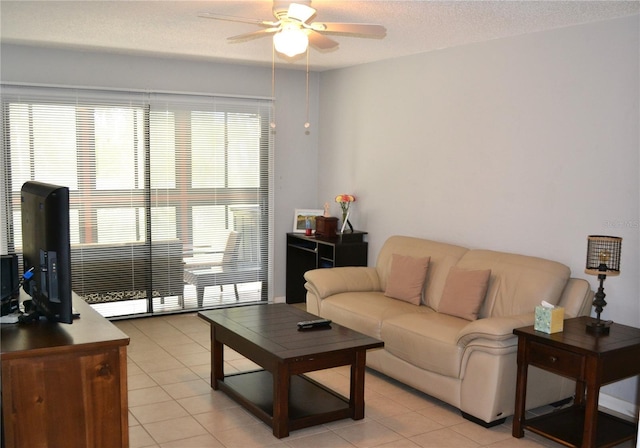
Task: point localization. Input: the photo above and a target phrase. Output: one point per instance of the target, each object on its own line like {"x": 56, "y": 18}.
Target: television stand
{"x": 79, "y": 374}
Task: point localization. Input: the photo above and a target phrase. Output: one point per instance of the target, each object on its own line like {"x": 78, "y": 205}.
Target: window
{"x": 164, "y": 188}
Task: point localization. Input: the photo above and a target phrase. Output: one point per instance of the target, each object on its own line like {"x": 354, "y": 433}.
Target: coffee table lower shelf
{"x": 565, "y": 426}
{"x": 310, "y": 402}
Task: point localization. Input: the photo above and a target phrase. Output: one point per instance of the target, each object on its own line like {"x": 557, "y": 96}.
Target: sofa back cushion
{"x": 406, "y": 278}
{"x": 464, "y": 292}
{"x": 518, "y": 282}
{"x": 442, "y": 257}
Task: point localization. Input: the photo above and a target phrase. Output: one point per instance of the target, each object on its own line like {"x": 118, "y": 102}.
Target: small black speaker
{"x": 10, "y": 275}
{"x": 9, "y": 282}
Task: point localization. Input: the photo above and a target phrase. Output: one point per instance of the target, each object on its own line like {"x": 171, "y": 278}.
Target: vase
{"x": 345, "y": 214}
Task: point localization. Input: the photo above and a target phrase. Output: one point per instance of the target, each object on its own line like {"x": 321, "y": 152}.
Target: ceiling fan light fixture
{"x": 291, "y": 41}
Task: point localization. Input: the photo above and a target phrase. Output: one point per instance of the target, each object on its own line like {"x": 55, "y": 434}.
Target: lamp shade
{"x": 291, "y": 41}
{"x": 603, "y": 255}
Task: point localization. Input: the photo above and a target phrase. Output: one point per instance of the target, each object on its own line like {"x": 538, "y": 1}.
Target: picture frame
{"x": 300, "y": 217}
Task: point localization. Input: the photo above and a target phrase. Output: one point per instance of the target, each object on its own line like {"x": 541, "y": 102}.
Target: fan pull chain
{"x": 273, "y": 87}
{"x": 307, "y": 124}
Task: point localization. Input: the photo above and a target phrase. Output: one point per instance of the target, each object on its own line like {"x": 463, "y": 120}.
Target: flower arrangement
{"x": 345, "y": 201}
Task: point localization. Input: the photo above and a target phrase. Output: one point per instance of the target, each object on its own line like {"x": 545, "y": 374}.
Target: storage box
{"x": 326, "y": 226}
{"x": 549, "y": 320}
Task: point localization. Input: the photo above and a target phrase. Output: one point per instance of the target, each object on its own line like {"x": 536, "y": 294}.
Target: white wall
{"x": 295, "y": 148}
{"x": 526, "y": 144}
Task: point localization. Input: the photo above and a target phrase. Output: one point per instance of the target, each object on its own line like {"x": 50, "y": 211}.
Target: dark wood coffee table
{"x": 280, "y": 395}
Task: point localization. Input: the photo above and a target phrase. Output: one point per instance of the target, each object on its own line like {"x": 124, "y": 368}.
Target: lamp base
{"x": 601, "y": 327}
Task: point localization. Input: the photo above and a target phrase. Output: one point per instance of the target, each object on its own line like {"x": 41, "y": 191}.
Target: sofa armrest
{"x": 494, "y": 328}
{"x": 576, "y": 298}
{"x": 329, "y": 281}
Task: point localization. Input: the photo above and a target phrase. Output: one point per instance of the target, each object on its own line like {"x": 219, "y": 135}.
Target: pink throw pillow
{"x": 406, "y": 278}
{"x": 464, "y": 292}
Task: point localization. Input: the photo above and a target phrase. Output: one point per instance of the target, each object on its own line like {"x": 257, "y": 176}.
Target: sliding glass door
{"x": 170, "y": 194}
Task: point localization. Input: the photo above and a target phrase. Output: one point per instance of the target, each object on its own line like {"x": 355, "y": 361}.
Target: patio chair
{"x": 206, "y": 257}
{"x": 216, "y": 261}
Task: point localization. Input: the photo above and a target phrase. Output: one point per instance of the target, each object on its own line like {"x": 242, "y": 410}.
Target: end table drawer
{"x": 556, "y": 360}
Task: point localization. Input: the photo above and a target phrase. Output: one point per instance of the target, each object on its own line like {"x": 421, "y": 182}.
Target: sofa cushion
{"x": 464, "y": 292}
{"x": 518, "y": 282}
{"x": 427, "y": 340}
{"x": 365, "y": 311}
{"x": 443, "y": 256}
{"x": 406, "y": 278}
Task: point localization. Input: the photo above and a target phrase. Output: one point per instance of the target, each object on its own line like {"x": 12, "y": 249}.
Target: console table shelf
{"x": 310, "y": 252}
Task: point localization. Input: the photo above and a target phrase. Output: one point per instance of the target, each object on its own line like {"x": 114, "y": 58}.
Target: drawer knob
{"x": 553, "y": 359}
{"x": 104, "y": 369}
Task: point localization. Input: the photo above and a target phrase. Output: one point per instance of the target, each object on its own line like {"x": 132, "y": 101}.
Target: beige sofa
{"x": 470, "y": 364}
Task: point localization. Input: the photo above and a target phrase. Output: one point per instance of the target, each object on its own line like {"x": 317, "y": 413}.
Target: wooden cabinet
{"x": 309, "y": 252}
{"x": 65, "y": 385}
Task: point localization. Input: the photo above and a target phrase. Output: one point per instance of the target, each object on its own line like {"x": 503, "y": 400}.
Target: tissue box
{"x": 549, "y": 320}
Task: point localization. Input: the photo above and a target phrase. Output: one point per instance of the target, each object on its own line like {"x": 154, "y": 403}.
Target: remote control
{"x": 317, "y": 323}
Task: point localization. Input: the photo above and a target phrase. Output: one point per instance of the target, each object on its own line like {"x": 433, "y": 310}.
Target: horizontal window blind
{"x": 165, "y": 188}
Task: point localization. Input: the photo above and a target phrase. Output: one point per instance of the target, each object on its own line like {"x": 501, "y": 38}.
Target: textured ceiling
{"x": 173, "y": 28}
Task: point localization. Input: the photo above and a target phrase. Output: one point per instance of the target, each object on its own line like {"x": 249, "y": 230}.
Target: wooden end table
{"x": 593, "y": 361}
{"x": 280, "y": 395}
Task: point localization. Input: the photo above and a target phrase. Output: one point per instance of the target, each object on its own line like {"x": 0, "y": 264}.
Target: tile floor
{"x": 171, "y": 403}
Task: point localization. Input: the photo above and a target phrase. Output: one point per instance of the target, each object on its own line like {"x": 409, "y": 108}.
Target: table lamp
{"x": 603, "y": 258}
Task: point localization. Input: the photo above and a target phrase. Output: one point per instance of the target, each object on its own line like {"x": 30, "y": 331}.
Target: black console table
{"x": 310, "y": 252}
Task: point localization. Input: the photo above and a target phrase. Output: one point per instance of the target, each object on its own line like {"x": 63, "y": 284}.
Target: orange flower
{"x": 342, "y": 198}
{"x": 345, "y": 201}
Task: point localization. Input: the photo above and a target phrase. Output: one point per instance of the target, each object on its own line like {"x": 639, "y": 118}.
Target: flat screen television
{"x": 46, "y": 252}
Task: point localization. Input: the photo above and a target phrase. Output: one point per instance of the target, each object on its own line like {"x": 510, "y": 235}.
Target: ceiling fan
{"x": 292, "y": 31}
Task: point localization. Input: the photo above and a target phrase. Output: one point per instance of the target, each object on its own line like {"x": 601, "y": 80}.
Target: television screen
{"x": 46, "y": 252}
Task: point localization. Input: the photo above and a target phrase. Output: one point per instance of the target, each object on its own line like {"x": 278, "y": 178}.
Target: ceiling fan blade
{"x": 300, "y": 12}
{"x": 254, "y": 34}
{"x": 210, "y": 15}
{"x": 320, "y": 41}
{"x": 365, "y": 29}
